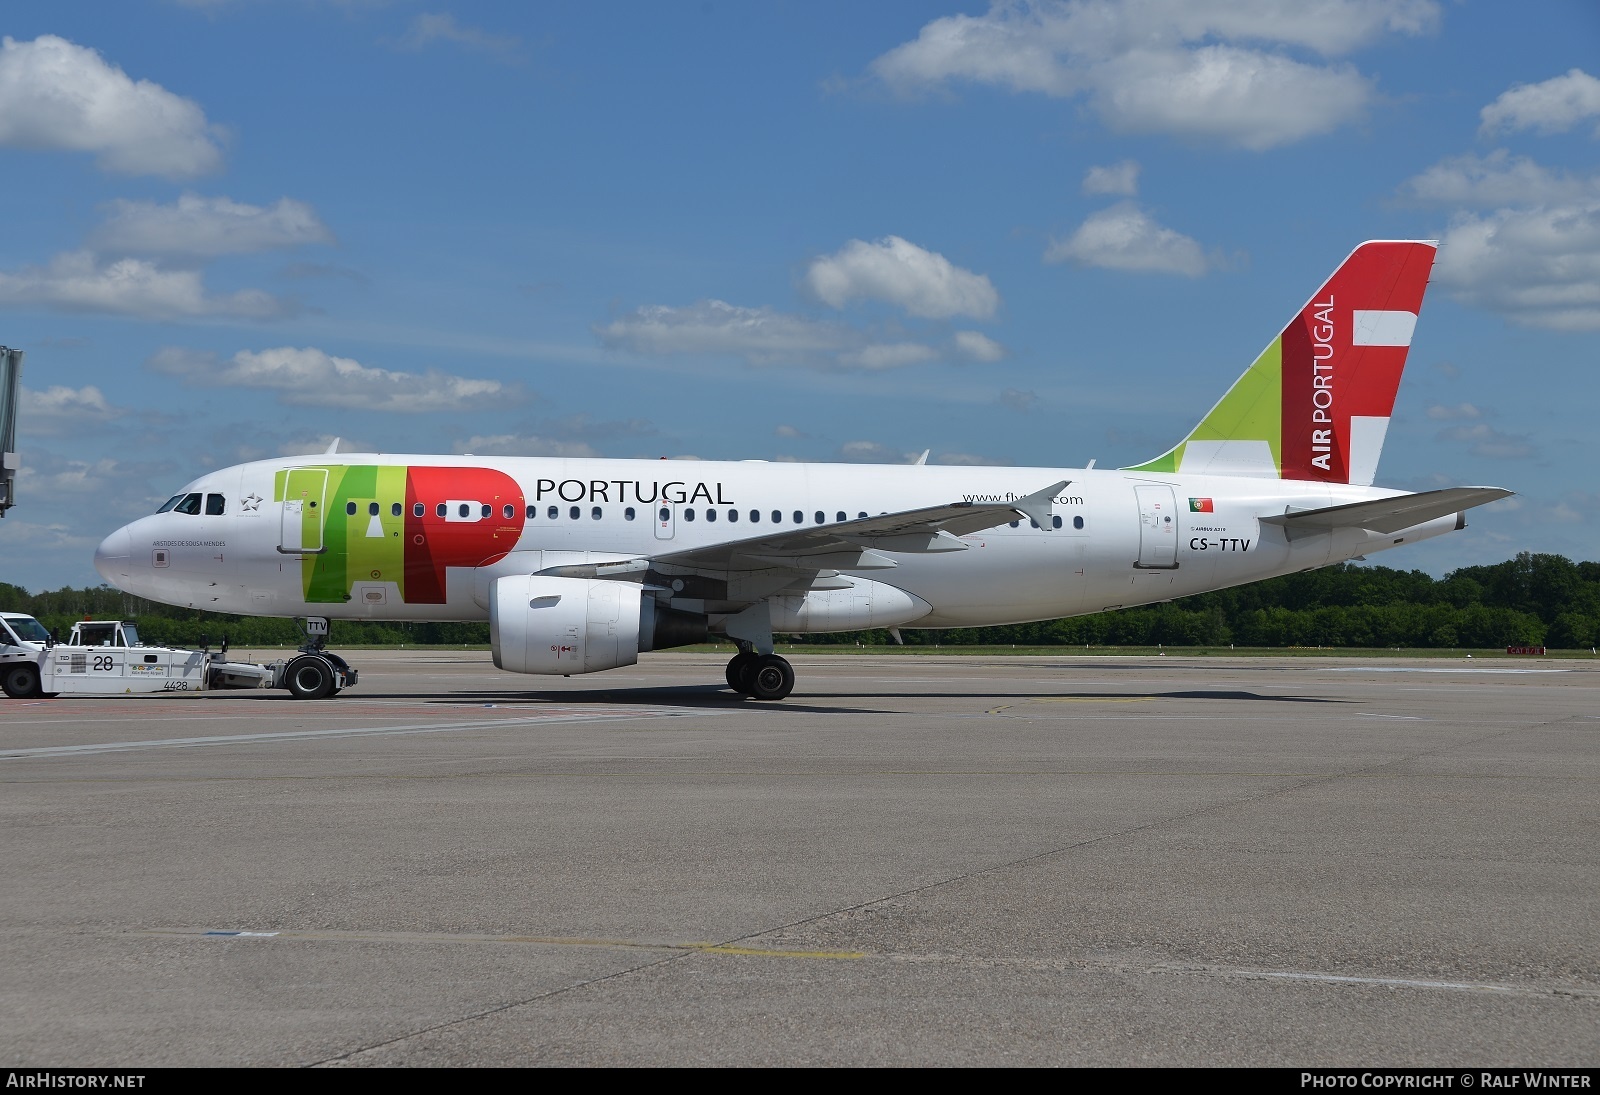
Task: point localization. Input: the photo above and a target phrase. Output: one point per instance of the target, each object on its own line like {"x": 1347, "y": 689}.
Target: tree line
{"x": 1532, "y": 599}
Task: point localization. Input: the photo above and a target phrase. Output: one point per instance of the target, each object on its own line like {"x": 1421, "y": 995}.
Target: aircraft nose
{"x": 111, "y": 557}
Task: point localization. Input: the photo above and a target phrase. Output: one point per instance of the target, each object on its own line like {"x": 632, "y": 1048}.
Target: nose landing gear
{"x": 315, "y": 674}
{"x": 760, "y": 676}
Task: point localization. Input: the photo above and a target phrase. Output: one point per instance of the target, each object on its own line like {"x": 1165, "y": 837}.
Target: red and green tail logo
{"x": 1316, "y": 404}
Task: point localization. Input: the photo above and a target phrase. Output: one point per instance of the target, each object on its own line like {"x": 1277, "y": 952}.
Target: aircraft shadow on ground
{"x": 713, "y": 697}
{"x": 708, "y": 696}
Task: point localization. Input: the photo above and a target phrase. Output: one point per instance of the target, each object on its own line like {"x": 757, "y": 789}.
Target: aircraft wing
{"x": 855, "y": 545}
{"x": 1389, "y": 514}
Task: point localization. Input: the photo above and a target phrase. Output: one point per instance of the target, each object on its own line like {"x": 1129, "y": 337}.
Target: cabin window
{"x": 799, "y": 518}
{"x": 1077, "y": 522}
{"x": 350, "y": 509}
{"x": 418, "y": 509}
{"x": 665, "y": 515}
{"x": 485, "y": 512}
{"x": 688, "y": 514}
{"x": 572, "y": 514}
{"x": 189, "y": 505}
{"x": 821, "y": 517}
{"x": 395, "y": 509}
{"x": 372, "y": 509}
{"x": 441, "y": 510}
{"x": 463, "y": 510}
{"x": 840, "y": 516}
{"x": 628, "y": 514}
{"x": 755, "y": 516}
{"x": 711, "y": 515}
{"x": 777, "y": 517}
{"x": 1014, "y": 524}
{"x": 509, "y": 512}
{"x": 862, "y": 516}
{"x": 594, "y": 514}
{"x": 216, "y": 505}
{"x": 553, "y": 512}
{"x": 1055, "y": 522}
{"x": 733, "y": 515}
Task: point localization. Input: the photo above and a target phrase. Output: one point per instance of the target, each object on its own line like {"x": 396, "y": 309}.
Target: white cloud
{"x": 55, "y": 94}
{"x": 59, "y": 409}
{"x": 890, "y": 355}
{"x": 77, "y": 281}
{"x": 1441, "y": 413}
{"x": 789, "y": 432}
{"x": 967, "y": 459}
{"x": 1124, "y": 237}
{"x": 311, "y": 378}
{"x": 1484, "y": 440}
{"x": 1120, "y": 179}
{"x": 207, "y": 227}
{"x": 1020, "y": 401}
{"x": 1553, "y": 106}
{"x": 1498, "y": 179}
{"x": 1539, "y": 267}
{"x": 317, "y": 444}
{"x": 1168, "y": 66}
{"x": 871, "y": 452}
{"x": 922, "y": 282}
{"x": 428, "y": 29}
{"x": 759, "y": 335}
{"x": 508, "y": 444}
{"x": 1233, "y": 96}
{"x": 976, "y": 346}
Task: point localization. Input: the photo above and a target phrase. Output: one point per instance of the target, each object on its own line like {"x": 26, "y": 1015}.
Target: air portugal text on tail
{"x": 579, "y": 565}
{"x": 1316, "y": 404}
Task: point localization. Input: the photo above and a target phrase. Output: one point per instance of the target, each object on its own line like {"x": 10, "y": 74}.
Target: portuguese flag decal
{"x": 1200, "y": 505}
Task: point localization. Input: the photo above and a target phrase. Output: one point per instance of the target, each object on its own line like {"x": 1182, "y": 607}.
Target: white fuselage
{"x": 1124, "y": 539}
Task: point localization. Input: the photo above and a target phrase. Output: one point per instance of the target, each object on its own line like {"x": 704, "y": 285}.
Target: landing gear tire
{"x": 310, "y": 678}
{"x": 739, "y": 671}
{"x": 772, "y": 678}
{"x": 22, "y": 683}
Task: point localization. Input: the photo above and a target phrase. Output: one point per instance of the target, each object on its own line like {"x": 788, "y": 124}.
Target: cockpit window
{"x": 169, "y": 503}
{"x": 216, "y": 505}
{"x": 189, "y": 505}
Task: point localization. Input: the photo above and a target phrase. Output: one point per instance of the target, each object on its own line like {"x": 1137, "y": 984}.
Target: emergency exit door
{"x": 1158, "y": 527}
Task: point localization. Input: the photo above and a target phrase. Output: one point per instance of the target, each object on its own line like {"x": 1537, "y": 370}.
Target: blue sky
{"x": 1026, "y": 234}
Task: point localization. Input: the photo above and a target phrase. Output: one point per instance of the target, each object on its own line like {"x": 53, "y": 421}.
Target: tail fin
{"x": 1315, "y": 405}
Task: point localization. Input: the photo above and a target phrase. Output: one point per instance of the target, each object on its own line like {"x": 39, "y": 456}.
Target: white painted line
{"x": 1409, "y": 669}
{"x": 1407, "y": 982}
{"x": 366, "y": 731}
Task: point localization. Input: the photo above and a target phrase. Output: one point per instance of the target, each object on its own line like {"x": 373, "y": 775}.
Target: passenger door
{"x": 304, "y": 503}
{"x": 1158, "y": 527}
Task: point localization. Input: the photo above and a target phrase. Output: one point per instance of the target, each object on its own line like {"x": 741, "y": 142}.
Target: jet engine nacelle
{"x": 563, "y": 625}
{"x": 539, "y": 624}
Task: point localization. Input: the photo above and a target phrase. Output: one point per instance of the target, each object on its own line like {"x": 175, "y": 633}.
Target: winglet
{"x": 333, "y": 448}
{"x": 1040, "y": 505}
{"x": 923, "y": 459}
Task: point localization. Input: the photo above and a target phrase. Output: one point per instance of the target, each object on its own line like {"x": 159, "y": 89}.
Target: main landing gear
{"x": 760, "y": 676}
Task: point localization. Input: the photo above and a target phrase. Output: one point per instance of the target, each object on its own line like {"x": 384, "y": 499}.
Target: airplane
{"x": 579, "y": 565}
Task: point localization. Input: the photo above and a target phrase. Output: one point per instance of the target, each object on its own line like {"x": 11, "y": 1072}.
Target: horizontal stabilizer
{"x": 1390, "y": 514}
